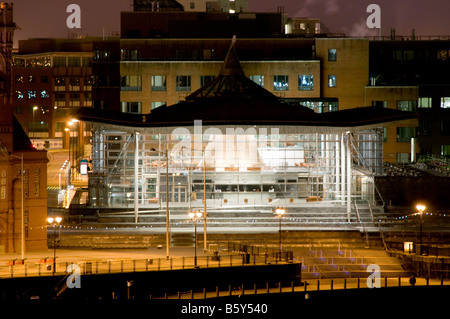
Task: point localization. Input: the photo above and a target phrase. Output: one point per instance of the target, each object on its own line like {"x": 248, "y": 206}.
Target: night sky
{"x": 47, "y": 18}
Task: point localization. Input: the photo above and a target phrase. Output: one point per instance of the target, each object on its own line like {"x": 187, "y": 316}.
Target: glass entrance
{"x": 180, "y": 194}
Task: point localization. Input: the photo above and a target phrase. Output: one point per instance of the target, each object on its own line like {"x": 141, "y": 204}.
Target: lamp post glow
{"x": 195, "y": 217}
{"x": 280, "y": 212}
{"x": 421, "y": 208}
{"x": 54, "y": 222}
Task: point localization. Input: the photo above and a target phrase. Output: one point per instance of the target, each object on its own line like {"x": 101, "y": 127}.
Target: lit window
{"x": 332, "y": 81}
{"x": 131, "y": 107}
{"x": 31, "y": 94}
{"x": 157, "y": 104}
{"x": 305, "y": 83}
{"x": 19, "y": 94}
{"x": 19, "y": 79}
{"x": 158, "y": 82}
{"x": 332, "y": 55}
{"x": 445, "y": 150}
{"x": 44, "y": 94}
{"x": 183, "y": 83}
{"x": 445, "y": 102}
{"x": 410, "y": 106}
{"x": 281, "y": 83}
{"x": 425, "y": 102}
{"x": 60, "y": 81}
{"x": 258, "y": 79}
{"x": 32, "y": 79}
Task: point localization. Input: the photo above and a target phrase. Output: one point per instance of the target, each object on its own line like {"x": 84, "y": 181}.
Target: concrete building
{"x": 23, "y": 169}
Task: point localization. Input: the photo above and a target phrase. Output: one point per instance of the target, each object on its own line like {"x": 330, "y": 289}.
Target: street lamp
{"x": 54, "y": 222}
{"x": 195, "y": 217}
{"x": 421, "y": 209}
{"x": 166, "y": 153}
{"x": 280, "y": 212}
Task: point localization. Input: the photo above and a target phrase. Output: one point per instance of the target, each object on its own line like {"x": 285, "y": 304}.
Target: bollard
{"x": 182, "y": 262}
{"x": 267, "y": 287}
{"x": 179, "y": 295}
{"x": 217, "y": 291}
{"x": 255, "y": 289}
{"x": 230, "y": 291}
{"x": 399, "y": 281}
{"x": 192, "y": 293}
{"x": 331, "y": 284}
{"x": 345, "y": 283}
{"x": 292, "y": 286}
{"x": 358, "y": 283}
{"x": 204, "y": 293}
{"x": 318, "y": 285}
{"x": 281, "y": 287}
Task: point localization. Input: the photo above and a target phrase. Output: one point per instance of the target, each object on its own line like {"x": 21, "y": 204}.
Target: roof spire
{"x": 231, "y": 65}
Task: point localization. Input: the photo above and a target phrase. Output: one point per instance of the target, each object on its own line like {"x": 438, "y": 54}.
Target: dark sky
{"x": 47, "y": 18}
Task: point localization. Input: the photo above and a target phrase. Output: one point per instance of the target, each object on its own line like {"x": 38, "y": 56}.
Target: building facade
{"x": 23, "y": 169}
{"x": 232, "y": 142}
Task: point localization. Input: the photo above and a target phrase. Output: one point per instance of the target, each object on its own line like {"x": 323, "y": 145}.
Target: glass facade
{"x": 259, "y": 166}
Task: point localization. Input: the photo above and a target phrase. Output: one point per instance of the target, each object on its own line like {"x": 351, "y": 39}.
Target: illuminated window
{"x": 445, "y": 150}
{"x": 157, "y": 104}
{"x": 60, "y": 81}
{"x": 32, "y": 79}
{"x": 131, "y": 107}
{"x": 410, "y": 106}
{"x": 19, "y": 94}
{"x": 158, "y": 82}
{"x": 425, "y": 102}
{"x": 258, "y": 79}
{"x": 332, "y": 81}
{"x": 305, "y": 83}
{"x": 19, "y": 78}
{"x": 445, "y": 102}
{"x": 442, "y": 55}
{"x": 44, "y": 94}
{"x": 281, "y": 83}
{"x": 183, "y": 83}
{"x": 332, "y": 55}
{"x": 31, "y": 94}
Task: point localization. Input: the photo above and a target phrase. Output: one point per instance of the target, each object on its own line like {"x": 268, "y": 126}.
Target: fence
{"x": 44, "y": 267}
{"x": 305, "y": 286}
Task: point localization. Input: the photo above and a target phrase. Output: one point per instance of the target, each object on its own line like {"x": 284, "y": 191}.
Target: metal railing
{"x": 304, "y": 286}
{"x": 44, "y": 267}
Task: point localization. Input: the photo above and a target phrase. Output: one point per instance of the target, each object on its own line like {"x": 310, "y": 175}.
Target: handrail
{"x": 379, "y": 225}
{"x": 366, "y": 235}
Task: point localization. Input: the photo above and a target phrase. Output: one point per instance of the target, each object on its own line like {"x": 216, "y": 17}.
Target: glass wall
{"x": 252, "y": 166}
